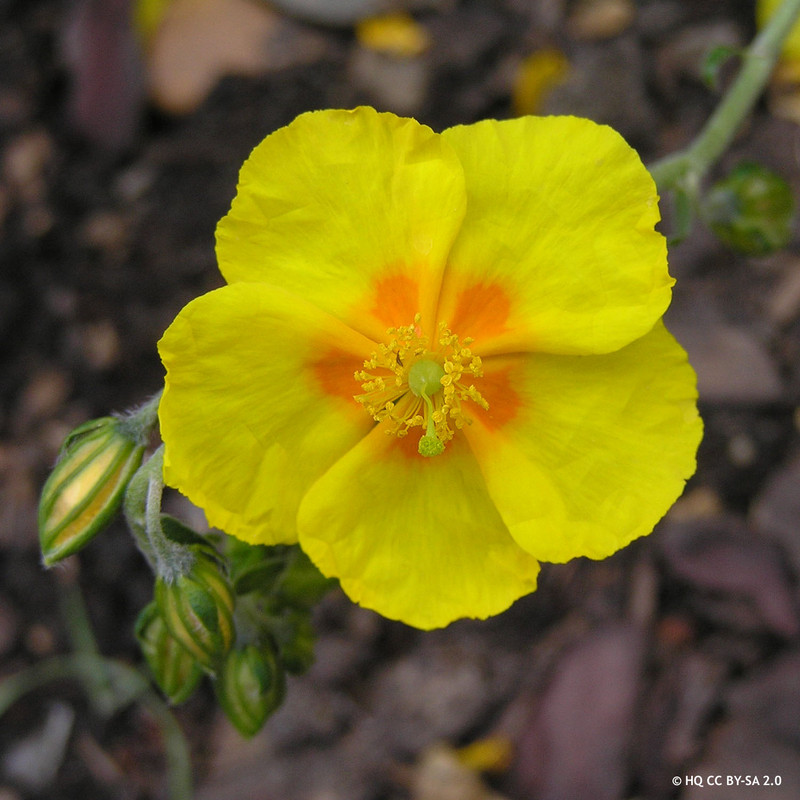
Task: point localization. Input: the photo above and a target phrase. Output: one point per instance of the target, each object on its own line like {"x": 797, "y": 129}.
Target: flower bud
{"x": 198, "y": 610}
{"x": 751, "y": 210}
{"x": 250, "y": 686}
{"x": 85, "y": 489}
{"x": 174, "y": 668}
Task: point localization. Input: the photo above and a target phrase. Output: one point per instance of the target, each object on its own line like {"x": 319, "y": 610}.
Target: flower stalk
{"x": 683, "y": 171}
{"x": 142, "y": 507}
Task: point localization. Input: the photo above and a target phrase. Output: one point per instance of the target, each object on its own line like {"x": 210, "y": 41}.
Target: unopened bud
{"x": 175, "y": 669}
{"x": 250, "y": 686}
{"x": 86, "y": 487}
{"x": 198, "y": 610}
{"x": 752, "y": 210}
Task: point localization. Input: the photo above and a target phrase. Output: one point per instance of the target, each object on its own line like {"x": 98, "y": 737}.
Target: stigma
{"x": 410, "y": 382}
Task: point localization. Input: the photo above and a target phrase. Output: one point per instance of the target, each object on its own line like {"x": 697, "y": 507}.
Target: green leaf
{"x": 713, "y": 62}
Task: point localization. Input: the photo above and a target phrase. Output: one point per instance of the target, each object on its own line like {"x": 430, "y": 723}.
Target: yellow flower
{"x": 492, "y": 293}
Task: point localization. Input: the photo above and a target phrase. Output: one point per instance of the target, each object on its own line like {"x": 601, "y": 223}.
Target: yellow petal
{"x": 559, "y": 226}
{"x": 536, "y": 76}
{"x": 398, "y": 35}
{"x": 415, "y": 539}
{"x": 615, "y": 435}
{"x": 344, "y": 207}
{"x": 255, "y": 406}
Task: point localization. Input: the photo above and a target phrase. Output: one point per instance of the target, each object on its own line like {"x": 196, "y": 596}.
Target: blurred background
{"x": 122, "y": 130}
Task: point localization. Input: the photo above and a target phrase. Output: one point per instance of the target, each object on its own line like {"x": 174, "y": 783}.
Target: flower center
{"x": 425, "y": 377}
{"x": 411, "y": 384}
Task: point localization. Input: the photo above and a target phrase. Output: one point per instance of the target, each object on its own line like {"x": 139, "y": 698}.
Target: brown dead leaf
{"x": 772, "y": 698}
{"x": 578, "y": 741}
{"x": 776, "y": 509}
{"x": 741, "y": 748}
{"x": 739, "y": 579}
{"x": 200, "y": 41}
{"x": 601, "y": 19}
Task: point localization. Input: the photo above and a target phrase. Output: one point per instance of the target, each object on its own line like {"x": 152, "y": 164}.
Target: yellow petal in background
{"x": 147, "y": 16}
{"x": 396, "y": 35}
{"x": 415, "y": 539}
{"x": 248, "y": 420}
{"x": 338, "y": 201}
{"x": 560, "y": 217}
{"x": 615, "y": 435}
{"x": 536, "y": 76}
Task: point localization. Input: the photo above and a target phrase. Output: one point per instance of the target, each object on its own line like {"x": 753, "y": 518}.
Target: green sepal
{"x": 261, "y": 577}
{"x": 295, "y": 636}
{"x": 87, "y": 485}
{"x": 250, "y": 686}
{"x": 180, "y": 533}
{"x": 684, "y": 209}
{"x": 714, "y": 61}
{"x": 176, "y": 672}
{"x": 302, "y": 585}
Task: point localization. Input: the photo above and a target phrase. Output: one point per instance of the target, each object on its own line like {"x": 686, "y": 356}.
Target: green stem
{"x": 685, "y": 169}
{"x": 141, "y": 422}
{"x": 142, "y": 507}
{"x": 99, "y": 684}
{"x": 128, "y": 685}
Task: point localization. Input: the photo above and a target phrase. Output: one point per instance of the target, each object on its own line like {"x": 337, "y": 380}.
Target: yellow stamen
{"x": 411, "y": 384}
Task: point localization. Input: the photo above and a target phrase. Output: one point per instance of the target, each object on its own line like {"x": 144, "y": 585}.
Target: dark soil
{"x": 678, "y": 657}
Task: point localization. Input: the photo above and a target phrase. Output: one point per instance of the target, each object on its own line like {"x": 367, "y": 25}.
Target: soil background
{"x": 678, "y": 657}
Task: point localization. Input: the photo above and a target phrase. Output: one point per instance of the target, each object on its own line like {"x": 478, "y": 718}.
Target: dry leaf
{"x": 601, "y": 19}
{"x": 200, "y": 41}
{"x": 741, "y": 578}
{"x": 578, "y": 740}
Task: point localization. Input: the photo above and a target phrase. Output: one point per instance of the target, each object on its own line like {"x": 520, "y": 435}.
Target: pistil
{"x": 425, "y": 379}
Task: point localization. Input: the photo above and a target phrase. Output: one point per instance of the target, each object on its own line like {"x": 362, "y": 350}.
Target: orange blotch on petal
{"x": 481, "y": 312}
{"x": 505, "y": 403}
{"x": 396, "y": 300}
{"x": 334, "y": 373}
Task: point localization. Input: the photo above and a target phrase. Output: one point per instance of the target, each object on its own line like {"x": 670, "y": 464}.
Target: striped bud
{"x": 198, "y": 610}
{"x": 250, "y": 686}
{"x": 86, "y": 487}
{"x": 174, "y": 668}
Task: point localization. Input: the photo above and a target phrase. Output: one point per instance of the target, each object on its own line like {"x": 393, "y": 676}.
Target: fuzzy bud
{"x": 174, "y": 668}
{"x": 250, "y": 686}
{"x": 197, "y": 608}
